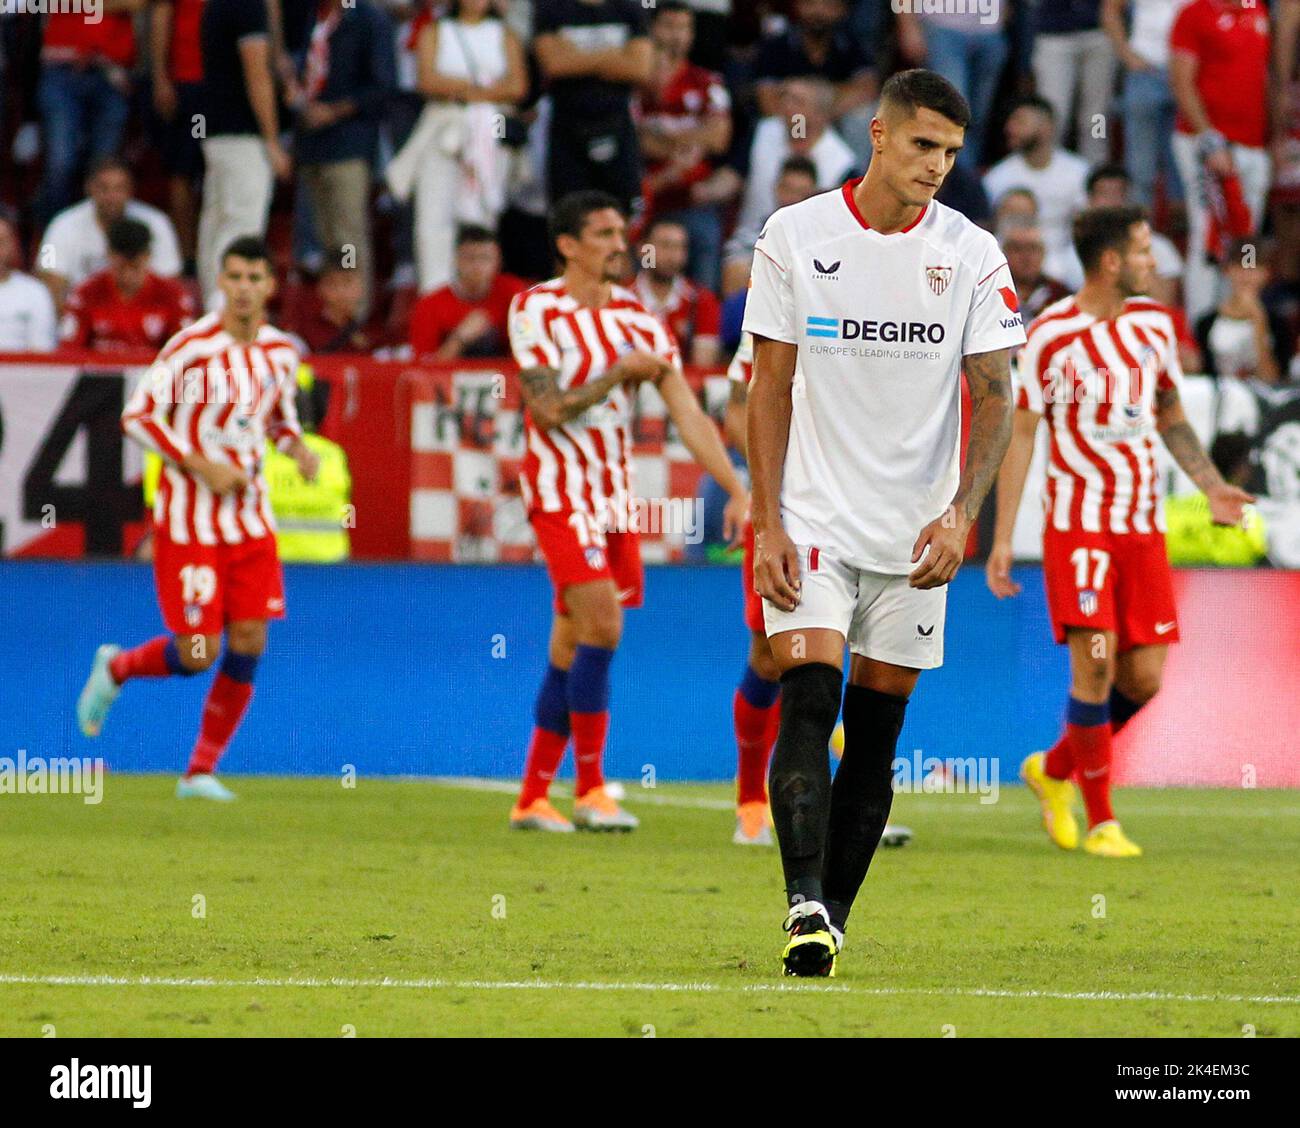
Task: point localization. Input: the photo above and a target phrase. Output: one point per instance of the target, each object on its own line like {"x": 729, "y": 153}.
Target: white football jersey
{"x": 881, "y": 323}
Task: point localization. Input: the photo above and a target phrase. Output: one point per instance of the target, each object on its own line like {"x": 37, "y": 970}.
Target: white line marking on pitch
{"x": 964, "y": 804}
{"x": 687, "y": 988}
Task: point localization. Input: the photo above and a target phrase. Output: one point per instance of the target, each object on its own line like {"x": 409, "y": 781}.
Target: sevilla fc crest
{"x": 938, "y": 277}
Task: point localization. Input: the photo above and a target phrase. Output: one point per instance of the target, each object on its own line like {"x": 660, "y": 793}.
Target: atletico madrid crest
{"x": 1088, "y": 603}
{"x": 938, "y": 277}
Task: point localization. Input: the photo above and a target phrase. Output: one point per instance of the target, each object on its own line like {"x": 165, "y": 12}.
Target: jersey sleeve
{"x": 58, "y": 248}
{"x": 1185, "y": 35}
{"x": 741, "y": 369}
{"x": 769, "y": 308}
{"x": 282, "y": 424}
{"x": 148, "y": 415}
{"x": 1024, "y": 374}
{"x": 1171, "y": 373}
{"x": 993, "y": 321}
{"x": 75, "y": 327}
{"x": 530, "y": 343}
{"x": 665, "y": 344}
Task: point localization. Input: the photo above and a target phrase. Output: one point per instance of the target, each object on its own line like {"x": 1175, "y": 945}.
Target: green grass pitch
{"x": 408, "y": 908}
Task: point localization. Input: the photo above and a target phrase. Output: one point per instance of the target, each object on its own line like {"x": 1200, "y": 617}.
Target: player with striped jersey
{"x": 1102, "y": 367}
{"x": 583, "y": 344}
{"x": 756, "y": 704}
{"x": 218, "y": 390}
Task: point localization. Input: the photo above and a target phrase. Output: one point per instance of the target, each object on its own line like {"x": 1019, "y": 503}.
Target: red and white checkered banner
{"x": 467, "y": 446}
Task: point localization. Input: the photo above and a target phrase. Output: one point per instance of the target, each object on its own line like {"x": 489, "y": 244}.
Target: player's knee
{"x": 1092, "y": 675}
{"x": 198, "y": 652}
{"x": 1140, "y": 688}
{"x": 810, "y": 705}
{"x": 601, "y": 625}
{"x": 761, "y": 659}
{"x": 247, "y": 638}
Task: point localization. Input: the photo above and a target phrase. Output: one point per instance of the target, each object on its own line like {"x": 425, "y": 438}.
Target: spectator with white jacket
{"x": 470, "y": 67}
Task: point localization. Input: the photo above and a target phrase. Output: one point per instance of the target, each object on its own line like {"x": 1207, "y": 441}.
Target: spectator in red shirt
{"x": 691, "y": 313}
{"x": 176, "y": 64}
{"x": 684, "y": 121}
{"x": 82, "y": 94}
{"x": 1219, "y": 70}
{"x": 126, "y": 307}
{"x": 468, "y": 316}
{"x": 332, "y": 318}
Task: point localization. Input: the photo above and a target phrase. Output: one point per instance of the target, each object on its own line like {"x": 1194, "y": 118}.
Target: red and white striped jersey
{"x": 741, "y": 368}
{"x": 1096, "y": 382}
{"x": 584, "y": 465}
{"x": 210, "y": 394}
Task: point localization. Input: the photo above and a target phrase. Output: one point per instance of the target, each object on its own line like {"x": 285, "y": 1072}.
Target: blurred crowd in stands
{"x": 400, "y": 155}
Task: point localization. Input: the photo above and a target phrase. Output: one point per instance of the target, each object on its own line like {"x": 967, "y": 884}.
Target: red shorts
{"x": 1111, "y": 582}
{"x": 202, "y": 587}
{"x": 577, "y": 552}
{"x": 753, "y": 601}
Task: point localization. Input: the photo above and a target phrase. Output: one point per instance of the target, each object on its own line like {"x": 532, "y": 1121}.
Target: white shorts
{"x": 879, "y": 615}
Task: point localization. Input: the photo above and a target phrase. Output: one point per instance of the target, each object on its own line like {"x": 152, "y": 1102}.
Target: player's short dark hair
{"x": 106, "y": 163}
{"x": 662, "y": 221}
{"x": 1103, "y": 229}
{"x": 800, "y": 164}
{"x": 920, "y": 89}
{"x": 474, "y": 233}
{"x": 671, "y": 6}
{"x": 250, "y": 247}
{"x": 1034, "y": 102}
{"x": 569, "y": 214}
{"x": 129, "y": 237}
{"x": 1109, "y": 171}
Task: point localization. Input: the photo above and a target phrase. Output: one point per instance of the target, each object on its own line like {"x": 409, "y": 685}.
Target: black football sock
{"x": 862, "y": 794}
{"x": 799, "y": 781}
{"x": 1122, "y": 709}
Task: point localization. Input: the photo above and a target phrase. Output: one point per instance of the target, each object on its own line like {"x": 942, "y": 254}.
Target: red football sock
{"x": 1090, "y": 748}
{"x": 148, "y": 660}
{"x": 1058, "y": 763}
{"x": 589, "y": 731}
{"x": 755, "y": 735}
{"x": 545, "y": 751}
{"x": 227, "y": 701}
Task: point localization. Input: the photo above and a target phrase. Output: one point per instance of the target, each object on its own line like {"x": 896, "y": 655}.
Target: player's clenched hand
{"x": 1226, "y": 504}
{"x": 776, "y": 569}
{"x": 734, "y": 517}
{"x": 945, "y": 537}
{"x": 997, "y": 572}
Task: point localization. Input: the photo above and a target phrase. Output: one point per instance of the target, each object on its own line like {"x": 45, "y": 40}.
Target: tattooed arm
{"x": 989, "y": 377}
{"x": 550, "y": 406}
{"x": 1171, "y": 421}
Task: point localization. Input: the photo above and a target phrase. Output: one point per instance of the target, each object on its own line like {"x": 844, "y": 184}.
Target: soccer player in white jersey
{"x": 756, "y": 704}
{"x": 866, "y": 304}
{"x": 218, "y": 390}
{"x": 1102, "y": 366}
{"x": 583, "y": 344}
